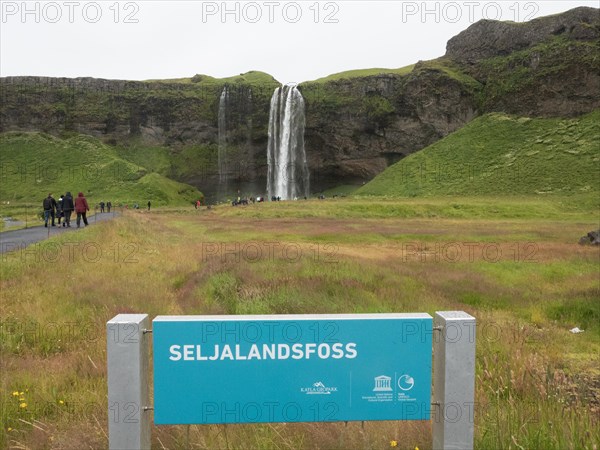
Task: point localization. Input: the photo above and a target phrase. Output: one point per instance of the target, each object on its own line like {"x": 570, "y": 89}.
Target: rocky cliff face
{"x": 488, "y": 38}
{"x": 355, "y": 126}
{"x": 548, "y": 67}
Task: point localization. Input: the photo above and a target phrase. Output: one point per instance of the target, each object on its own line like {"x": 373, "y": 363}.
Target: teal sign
{"x": 298, "y": 368}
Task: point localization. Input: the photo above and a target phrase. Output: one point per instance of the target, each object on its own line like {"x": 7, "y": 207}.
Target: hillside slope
{"x": 497, "y": 154}
{"x": 33, "y": 164}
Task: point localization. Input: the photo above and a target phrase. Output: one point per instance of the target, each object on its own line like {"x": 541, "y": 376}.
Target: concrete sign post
{"x": 128, "y": 379}
{"x": 454, "y": 381}
{"x": 292, "y": 368}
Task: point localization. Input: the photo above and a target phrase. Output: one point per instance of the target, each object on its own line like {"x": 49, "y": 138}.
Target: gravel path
{"x": 19, "y": 239}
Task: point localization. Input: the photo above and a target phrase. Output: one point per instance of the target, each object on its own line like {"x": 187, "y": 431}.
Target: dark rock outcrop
{"x": 592, "y": 238}
{"x": 548, "y": 67}
{"x": 490, "y": 38}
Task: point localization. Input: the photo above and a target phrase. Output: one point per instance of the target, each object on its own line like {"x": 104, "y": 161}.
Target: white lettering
{"x": 283, "y": 351}
{"x": 175, "y": 353}
{"x": 237, "y": 354}
{"x": 226, "y": 353}
{"x": 199, "y": 356}
{"x": 351, "y": 352}
{"x": 338, "y": 351}
{"x": 324, "y": 351}
{"x": 297, "y": 351}
{"x": 310, "y": 349}
{"x": 254, "y": 353}
{"x": 188, "y": 352}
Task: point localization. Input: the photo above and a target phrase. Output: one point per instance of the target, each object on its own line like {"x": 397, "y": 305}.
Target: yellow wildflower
{"x": 61, "y": 402}
{"x": 9, "y": 429}
{"x": 15, "y": 393}
{"x": 416, "y": 448}
{"x": 21, "y": 393}
{"x": 393, "y": 443}
{"x": 23, "y": 405}
{"x": 21, "y": 399}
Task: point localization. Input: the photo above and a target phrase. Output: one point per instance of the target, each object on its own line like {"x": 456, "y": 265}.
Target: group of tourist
{"x": 63, "y": 208}
{"x": 108, "y": 206}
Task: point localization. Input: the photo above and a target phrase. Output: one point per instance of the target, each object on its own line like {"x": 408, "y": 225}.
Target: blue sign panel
{"x": 298, "y": 368}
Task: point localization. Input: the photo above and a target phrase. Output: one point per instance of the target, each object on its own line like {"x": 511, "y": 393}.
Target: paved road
{"x": 19, "y": 239}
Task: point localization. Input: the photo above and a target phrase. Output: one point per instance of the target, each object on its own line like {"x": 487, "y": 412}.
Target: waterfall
{"x": 287, "y": 175}
{"x": 222, "y": 141}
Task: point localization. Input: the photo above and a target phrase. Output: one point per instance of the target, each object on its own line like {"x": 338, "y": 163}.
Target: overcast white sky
{"x": 293, "y": 41}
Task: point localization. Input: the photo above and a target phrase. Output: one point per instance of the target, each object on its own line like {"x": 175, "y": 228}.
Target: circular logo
{"x": 406, "y": 382}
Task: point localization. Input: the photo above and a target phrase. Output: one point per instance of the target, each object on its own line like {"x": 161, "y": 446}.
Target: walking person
{"x": 67, "y": 207}
{"x": 108, "y": 205}
{"x": 49, "y": 205}
{"x": 148, "y": 205}
{"x": 81, "y": 208}
{"x": 59, "y": 209}
{"x": 101, "y": 207}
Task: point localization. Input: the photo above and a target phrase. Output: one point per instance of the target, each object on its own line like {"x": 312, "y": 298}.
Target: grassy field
{"x": 514, "y": 263}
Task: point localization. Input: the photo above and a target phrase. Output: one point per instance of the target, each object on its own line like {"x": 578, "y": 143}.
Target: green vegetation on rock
{"x": 498, "y": 154}
{"x": 362, "y": 73}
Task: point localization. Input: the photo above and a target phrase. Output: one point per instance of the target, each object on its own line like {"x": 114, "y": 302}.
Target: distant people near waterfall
{"x": 108, "y": 206}
{"x": 149, "y": 205}
{"x": 67, "y": 207}
{"x": 102, "y": 207}
{"x": 49, "y": 205}
{"x": 240, "y": 201}
{"x": 81, "y": 208}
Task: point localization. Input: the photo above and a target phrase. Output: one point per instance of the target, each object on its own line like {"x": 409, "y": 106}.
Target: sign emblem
{"x": 383, "y": 383}
{"x": 318, "y": 388}
{"x": 406, "y": 382}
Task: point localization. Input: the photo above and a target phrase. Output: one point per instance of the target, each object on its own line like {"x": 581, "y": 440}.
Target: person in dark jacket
{"x": 68, "y": 207}
{"x": 81, "y": 208}
{"x": 49, "y": 205}
{"x": 59, "y": 209}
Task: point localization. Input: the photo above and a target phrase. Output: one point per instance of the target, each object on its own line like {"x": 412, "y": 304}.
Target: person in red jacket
{"x": 81, "y": 208}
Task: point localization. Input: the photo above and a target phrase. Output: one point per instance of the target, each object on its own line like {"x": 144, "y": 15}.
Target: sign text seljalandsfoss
{"x": 297, "y": 368}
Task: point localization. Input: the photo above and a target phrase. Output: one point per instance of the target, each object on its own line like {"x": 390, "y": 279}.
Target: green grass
{"x": 483, "y": 207}
{"x": 497, "y": 154}
{"x": 153, "y": 158}
{"x": 363, "y": 73}
{"x": 251, "y": 77}
{"x": 34, "y": 164}
{"x": 452, "y": 70}
{"x": 534, "y": 380}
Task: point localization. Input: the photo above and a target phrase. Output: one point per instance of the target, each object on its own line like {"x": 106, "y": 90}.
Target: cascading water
{"x": 287, "y": 175}
{"x": 222, "y": 141}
